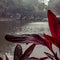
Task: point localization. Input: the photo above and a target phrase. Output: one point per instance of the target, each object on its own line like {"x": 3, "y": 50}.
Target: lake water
{"x": 12, "y": 27}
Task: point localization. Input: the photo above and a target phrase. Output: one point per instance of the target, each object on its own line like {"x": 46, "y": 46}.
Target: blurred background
{"x": 25, "y": 17}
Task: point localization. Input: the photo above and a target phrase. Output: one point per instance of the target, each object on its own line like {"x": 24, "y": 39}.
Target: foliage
{"x": 46, "y": 41}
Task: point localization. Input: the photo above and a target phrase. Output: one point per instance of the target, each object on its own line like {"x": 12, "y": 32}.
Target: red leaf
{"x": 17, "y": 52}
{"x": 27, "y": 52}
{"x": 49, "y": 44}
{"x": 15, "y": 39}
{"x": 43, "y": 58}
{"x": 32, "y": 58}
{"x": 24, "y": 38}
{"x": 39, "y": 39}
{"x": 1, "y": 58}
{"x": 53, "y": 24}
{"x": 29, "y": 38}
{"x": 7, "y": 58}
{"x": 49, "y": 55}
{"x": 53, "y": 40}
{"x": 58, "y": 34}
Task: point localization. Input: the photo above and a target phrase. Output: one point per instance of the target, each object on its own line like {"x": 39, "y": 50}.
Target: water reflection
{"x": 34, "y": 27}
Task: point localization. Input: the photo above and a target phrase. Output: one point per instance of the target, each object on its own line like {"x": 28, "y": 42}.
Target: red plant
{"x": 55, "y": 31}
{"x": 19, "y": 55}
{"x": 1, "y": 58}
{"x": 54, "y": 28}
{"x": 46, "y": 40}
{"x": 7, "y": 58}
{"x": 28, "y": 38}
